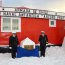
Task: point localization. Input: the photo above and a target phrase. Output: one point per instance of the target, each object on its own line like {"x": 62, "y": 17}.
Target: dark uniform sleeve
{"x": 17, "y": 40}
{"x": 39, "y": 38}
{"x": 10, "y": 41}
{"x": 46, "y": 38}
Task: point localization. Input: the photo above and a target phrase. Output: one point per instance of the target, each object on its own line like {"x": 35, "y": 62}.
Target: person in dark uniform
{"x": 43, "y": 39}
{"x": 13, "y": 43}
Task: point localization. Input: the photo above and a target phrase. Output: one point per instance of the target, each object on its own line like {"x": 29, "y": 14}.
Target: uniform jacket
{"x": 13, "y": 41}
{"x": 42, "y": 39}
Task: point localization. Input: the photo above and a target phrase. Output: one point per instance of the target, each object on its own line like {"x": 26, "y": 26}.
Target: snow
{"x": 63, "y": 44}
{"x": 54, "y": 56}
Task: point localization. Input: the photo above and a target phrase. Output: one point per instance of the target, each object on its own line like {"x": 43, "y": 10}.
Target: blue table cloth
{"x": 21, "y": 52}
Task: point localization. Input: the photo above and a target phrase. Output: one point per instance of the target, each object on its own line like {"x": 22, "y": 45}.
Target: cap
{"x": 14, "y": 32}
{"x": 43, "y": 32}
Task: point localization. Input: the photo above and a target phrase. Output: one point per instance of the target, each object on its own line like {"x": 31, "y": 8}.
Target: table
{"x": 21, "y": 52}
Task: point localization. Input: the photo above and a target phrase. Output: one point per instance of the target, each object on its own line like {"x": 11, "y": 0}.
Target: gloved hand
{"x": 10, "y": 47}
{"x": 46, "y": 42}
{"x": 18, "y": 45}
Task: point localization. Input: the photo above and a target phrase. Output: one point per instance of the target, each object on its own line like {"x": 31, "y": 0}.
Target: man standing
{"x": 43, "y": 40}
{"x": 13, "y": 42}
